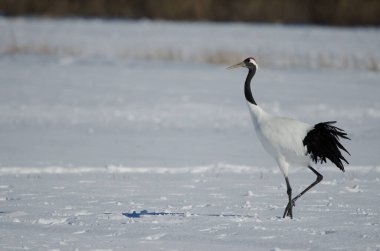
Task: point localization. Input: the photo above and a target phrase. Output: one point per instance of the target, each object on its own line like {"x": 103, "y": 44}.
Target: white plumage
{"x": 281, "y": 137}
{"x": 291, "y": 142}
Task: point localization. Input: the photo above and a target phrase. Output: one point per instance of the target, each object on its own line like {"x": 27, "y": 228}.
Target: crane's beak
{"x": 241, "y": 64}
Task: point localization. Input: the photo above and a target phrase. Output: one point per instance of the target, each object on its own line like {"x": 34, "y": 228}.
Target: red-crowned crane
{"x": 292, "y": 142}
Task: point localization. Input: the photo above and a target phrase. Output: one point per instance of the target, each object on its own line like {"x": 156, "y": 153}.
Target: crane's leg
{"x": 288, "y": 209}
{"x": 319, "y": 178}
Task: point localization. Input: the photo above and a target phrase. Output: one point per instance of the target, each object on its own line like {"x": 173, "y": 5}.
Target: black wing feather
{"x": 322, "y": 142}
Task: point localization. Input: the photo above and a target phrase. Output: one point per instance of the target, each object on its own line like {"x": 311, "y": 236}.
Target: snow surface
{"x": 100, "y": 118}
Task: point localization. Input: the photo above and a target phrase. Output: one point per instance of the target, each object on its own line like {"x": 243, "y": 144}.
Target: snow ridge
{"x": 212, "y": 168}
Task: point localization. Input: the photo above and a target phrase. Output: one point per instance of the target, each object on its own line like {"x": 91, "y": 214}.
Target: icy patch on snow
{"x": 354, "y": 189}
{"x": 51, "y": 221}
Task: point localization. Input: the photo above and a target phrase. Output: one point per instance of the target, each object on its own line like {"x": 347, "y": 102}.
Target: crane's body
{"x": 292, "y": 142}
{"x": 281, "y": 137}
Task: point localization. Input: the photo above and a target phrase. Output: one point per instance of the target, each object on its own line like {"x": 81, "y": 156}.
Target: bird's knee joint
{"x": 289, "y": 191}
{"x": 319, "y": 177}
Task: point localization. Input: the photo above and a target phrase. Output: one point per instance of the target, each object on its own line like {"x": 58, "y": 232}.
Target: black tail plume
{"x": 322, "y": 142}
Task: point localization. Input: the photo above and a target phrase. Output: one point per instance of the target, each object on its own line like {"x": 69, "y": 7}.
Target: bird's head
{"x": 249, "y": 63}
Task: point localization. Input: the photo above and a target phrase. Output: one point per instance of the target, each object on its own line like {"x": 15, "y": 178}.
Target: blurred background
{"x": 331, "y": 12}
{"x": 97, "y": 82}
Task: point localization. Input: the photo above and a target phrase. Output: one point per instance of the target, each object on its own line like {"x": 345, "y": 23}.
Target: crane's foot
{"x": 289, "y": 210}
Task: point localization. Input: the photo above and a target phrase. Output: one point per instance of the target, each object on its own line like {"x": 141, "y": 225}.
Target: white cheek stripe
{"x": 254, "y": 62}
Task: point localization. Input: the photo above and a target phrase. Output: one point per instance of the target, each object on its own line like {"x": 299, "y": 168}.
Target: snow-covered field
{"x": 100, "y": 118}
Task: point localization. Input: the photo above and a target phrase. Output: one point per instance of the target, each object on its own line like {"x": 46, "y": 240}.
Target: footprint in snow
{"x": 354, "y": 189}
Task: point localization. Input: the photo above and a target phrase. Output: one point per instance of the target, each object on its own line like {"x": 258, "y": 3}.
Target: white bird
{"x": 292, "y": 142}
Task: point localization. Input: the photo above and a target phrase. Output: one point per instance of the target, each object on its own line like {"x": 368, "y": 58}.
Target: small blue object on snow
{"x": 135, "y": 214}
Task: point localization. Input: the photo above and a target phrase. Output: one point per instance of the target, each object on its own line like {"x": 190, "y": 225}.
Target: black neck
{"x": 247, "y": 86}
